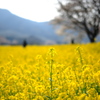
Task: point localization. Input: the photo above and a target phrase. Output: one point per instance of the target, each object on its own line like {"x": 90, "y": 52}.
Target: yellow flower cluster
{"x": 60, "y": 72}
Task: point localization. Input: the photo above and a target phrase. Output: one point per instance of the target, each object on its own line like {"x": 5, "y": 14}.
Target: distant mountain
{"x": 14, "y": 29}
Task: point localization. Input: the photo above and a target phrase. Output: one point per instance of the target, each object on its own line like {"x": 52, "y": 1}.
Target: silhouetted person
{"x": 72, "y": 41}
{"x": 24, "y": 43}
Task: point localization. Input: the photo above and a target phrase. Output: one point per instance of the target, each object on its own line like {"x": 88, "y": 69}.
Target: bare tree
{"x": 84, "y": 14}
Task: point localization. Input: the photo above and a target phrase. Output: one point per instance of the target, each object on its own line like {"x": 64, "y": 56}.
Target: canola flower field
{"x": 58, "y": 72}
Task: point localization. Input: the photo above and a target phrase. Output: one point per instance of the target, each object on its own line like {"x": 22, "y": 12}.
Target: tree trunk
{"x": 91, "y": 37}
{"x": 92, "y": 40}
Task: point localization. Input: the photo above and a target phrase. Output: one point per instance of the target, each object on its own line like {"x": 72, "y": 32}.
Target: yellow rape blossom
{"x": 50, "y": 73}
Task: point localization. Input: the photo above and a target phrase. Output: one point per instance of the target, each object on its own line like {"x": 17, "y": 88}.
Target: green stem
{"x": 51, "y": 65}
{"x": 80, "y": 56}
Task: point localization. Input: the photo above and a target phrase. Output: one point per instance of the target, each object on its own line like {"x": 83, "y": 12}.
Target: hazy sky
{"x": 36, "y": 10}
